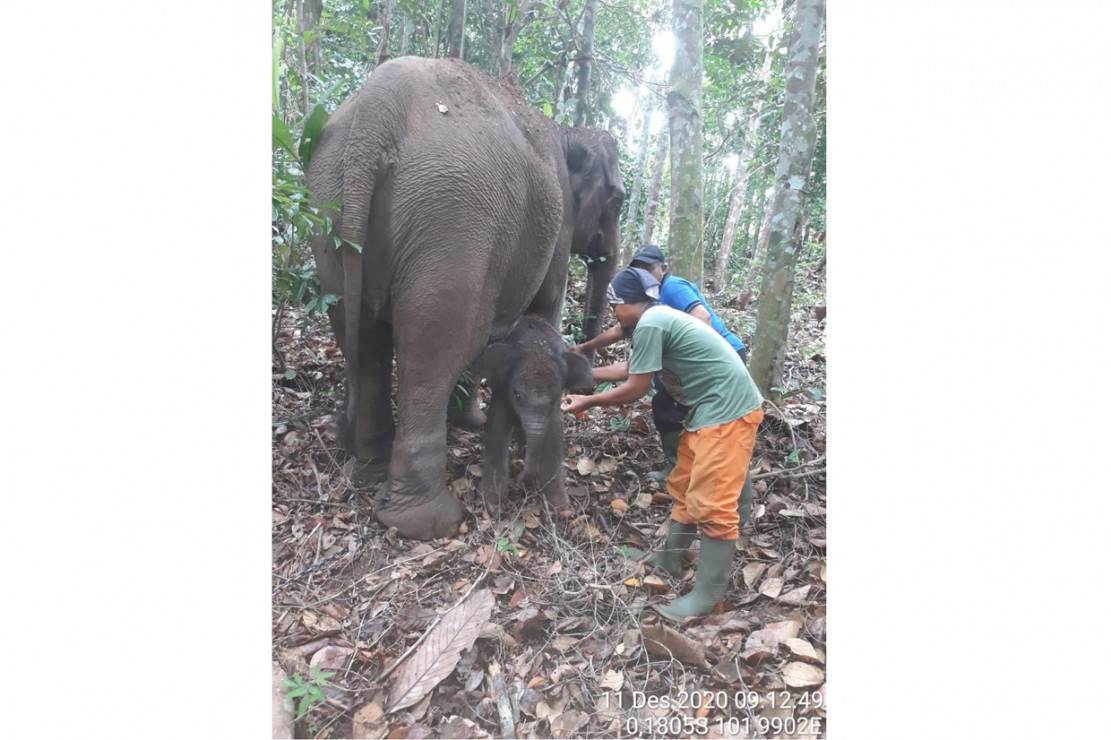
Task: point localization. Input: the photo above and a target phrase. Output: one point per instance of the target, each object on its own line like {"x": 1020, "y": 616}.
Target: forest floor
{"x": 561, "y": 625}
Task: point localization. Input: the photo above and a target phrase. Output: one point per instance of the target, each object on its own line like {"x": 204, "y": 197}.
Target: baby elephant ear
{"x": 493, "y": 363}
{"x": 579, "y": 378}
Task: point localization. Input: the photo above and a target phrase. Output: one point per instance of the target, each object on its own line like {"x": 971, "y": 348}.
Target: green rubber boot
{"x": 715, "y": 561}
{"x": 670, "y": 557}
{"x": 744, "y": 503}
{"x": 669, "y": 441}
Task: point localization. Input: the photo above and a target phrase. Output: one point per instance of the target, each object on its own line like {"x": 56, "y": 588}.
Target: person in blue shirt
{"x": 682, "y": 295}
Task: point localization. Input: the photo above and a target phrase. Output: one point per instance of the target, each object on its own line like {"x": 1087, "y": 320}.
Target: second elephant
{"x": 528, "y": 372}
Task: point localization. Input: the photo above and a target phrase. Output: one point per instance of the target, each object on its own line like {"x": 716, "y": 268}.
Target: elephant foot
{"x": 422, "y": 517}
{"x": 371, "y": 472}
{"x": 493, "y": 493}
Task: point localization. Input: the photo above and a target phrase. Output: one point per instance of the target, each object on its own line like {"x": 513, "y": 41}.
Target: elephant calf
{"x": 528, "y": 372}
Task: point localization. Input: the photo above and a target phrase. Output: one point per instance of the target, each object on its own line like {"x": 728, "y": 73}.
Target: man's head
{"x": 631, "y": 291}
{"x": 651, "y": 258}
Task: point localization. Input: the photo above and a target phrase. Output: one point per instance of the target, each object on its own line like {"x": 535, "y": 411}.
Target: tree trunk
{"x": 439, "y": 16}
{"x": 634, "y": 199}
{"x": 384, "y": 44}
{"x": 761, "y": 245}
{"x": 403, "y": 36}
{"x": 684, "y": 100}
{"x": 586, "y": 55}
{"x": 302, "y": 67}
{"x": 796, "y": 151}
{"x": 511, "y": 26}
{"x": 455, "y": 30}
{"x": 743, "y": 168}
{"x": 310, "y": 11}
{"x": 652, "y": 202}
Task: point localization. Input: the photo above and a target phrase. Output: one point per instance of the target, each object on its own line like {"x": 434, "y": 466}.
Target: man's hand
{"x": 572, "y": 404}
{"x": 577, "y": 349}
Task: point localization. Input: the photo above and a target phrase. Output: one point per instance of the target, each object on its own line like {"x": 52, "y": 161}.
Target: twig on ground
{"x": 505, "y": 709}
{"x": 786, "y": 473}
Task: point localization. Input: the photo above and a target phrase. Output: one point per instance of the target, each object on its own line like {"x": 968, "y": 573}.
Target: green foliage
{"x": 308, "y": 693}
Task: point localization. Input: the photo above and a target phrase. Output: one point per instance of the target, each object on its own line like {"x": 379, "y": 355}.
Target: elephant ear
{"x": 579, "y": 377}
{"x": 493, "y": 363}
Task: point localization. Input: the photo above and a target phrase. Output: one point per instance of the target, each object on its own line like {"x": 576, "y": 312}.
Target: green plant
{"x": 308, "y": 692}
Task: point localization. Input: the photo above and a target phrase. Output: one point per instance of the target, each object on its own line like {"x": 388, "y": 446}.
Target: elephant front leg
{"x": 599, "y": 274}
{"x": 495, "y": 452}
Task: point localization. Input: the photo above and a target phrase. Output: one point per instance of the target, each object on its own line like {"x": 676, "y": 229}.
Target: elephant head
{"x": 528, "y": 373}
{"x": 598, "y": 195}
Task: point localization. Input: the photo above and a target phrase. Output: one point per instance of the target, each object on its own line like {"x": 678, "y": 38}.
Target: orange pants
{"x": 707, "y": 479}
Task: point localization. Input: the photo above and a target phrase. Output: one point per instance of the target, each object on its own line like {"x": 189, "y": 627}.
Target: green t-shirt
{"x": 695, "y": 364}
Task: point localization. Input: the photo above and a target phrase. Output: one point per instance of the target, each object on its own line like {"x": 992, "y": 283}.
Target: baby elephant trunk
{"x": 543, "y": 450}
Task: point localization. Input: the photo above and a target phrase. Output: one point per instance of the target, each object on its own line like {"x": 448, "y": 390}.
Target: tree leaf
{"x": 438, "y": 655}
{"x": 314, "y": 124}
{"x": 666, "y": 642}
{"x": 802, "y": 675}
{"x": 281, "y": 135}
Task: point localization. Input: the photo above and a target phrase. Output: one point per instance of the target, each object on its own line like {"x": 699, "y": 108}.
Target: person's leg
{"x": 668, "y": 415}
{"x": 721, "y": 456}
{"x": 682, "y": 528}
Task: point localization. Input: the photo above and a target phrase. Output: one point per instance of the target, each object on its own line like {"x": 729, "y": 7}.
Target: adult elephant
{"x": 466, "y": 203}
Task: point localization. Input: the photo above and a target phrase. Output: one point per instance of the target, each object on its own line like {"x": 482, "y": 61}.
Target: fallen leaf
{"x": 537, "y": 681}
{"x": 555, "y": 567}
{"x": 565, "y": 724}
{"x": 585, "y": 466}
{"x": 619, "y": 505}
{"x": 438, "y": 655}
{"x": 655, "y": 583}
{"x": 752, "y": 573}
{"x": 785, "y": 630}
{"x": 331, "y": 658}
{"x": 458, "y": 727}
{"x": 612, "y": 680}
{"x": 413, "y": 617}
{"x": 801, "y": 648}
{"x": 666, "y": 642}
{"x": 762, "y": 638}
{"x": 642, "y": 500}
{"x": 755, "y": 655}
{"x": 607, "y": 466}
{"x": 633, "y": 583}
{"x": 771, "y": 587}
{"x": 475, "y": 470}
{"x": 802, "y": 675}
{"x": 796, "y": 597}
{"x": 660, "y": 498}
{"x": 369, "y": 723}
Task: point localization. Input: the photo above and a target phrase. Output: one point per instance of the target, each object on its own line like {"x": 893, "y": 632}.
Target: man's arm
{"x": 610, "y": 373}
{"x": 632, "y": 389}
{"x": 699, "y": 312}
{"x": 605, "y": 339}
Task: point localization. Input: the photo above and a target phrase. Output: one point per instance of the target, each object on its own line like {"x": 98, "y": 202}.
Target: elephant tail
{"x": 358, "y": 191}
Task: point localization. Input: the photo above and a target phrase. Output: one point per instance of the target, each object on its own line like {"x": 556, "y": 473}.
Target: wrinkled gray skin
{"x": 467, "y": 219}
{"x": 527, "y": 373}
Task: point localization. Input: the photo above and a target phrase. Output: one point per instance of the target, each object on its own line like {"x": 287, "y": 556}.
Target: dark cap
{"x": 649, "y": 254}
{"x": 633, "y": 285}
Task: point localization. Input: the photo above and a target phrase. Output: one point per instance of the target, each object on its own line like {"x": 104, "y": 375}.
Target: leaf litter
{"x": 554, "y": 601}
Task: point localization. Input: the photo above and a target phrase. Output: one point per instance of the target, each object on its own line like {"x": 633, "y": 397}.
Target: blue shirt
{"x": 683, "y": 295}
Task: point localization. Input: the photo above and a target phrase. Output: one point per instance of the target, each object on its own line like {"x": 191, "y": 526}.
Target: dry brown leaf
{"x": 585, "y": 466}
{"x": 771, "y": 587}
{"x": 438, "y": 655}
{"x": 785, "y": 630}
{"x": 413, "y": 617}
{"x": 458, "y": 727}
{"x": 802, "y": 675}
{"x": 556, "y": 567}
{"x": 666, "y": 642}
{"x": 612, "y": 680}
{"x": 655, "y": 583}
{"x": 619, "y": 505}
{"x": 330, "y": 658}
{"x": 607, "y": 466}
{"x": 475, "y": 470}
{"x": 801, "y": 648}
{"x": 754, "y": 655}
{"x": 660, "y": 498}
{"x": 642, "y": 500}
{"x": 369, "y": 723}
{"x": 796, "y": 597}
{"x": 762, "y": 638}
{"x": 752, "y": 573}
{"x": 565, "y": 724}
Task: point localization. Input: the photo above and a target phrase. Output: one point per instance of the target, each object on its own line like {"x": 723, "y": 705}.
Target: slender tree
{"x": 652, "y": 202}
{"x": 455, "y": 30}
{"x": 796, "y": 151}
{"x": 744, "y": 165}
{"x": 439, "y": 15}
{"x": 586, "y": 57}
{"x": 634, "y": 200}
{"x": 384, "y": 43}
{"x": 684, "y": 100}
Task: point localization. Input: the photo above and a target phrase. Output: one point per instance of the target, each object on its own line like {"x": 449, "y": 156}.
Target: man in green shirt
{"x": 703, "y": 372}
